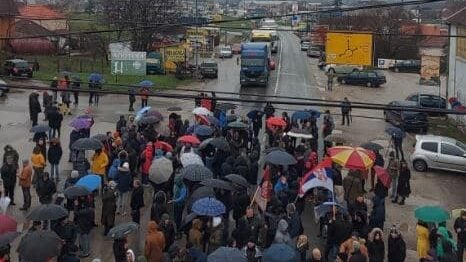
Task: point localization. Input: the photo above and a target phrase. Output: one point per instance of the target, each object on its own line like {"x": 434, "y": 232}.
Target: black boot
{"x": 395, "y": 199}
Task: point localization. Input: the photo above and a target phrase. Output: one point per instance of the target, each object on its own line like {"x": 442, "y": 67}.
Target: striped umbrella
{"x": 352, "y": 157}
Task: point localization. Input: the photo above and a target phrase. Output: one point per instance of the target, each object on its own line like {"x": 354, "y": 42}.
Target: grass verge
{"x": 446, "y": 127}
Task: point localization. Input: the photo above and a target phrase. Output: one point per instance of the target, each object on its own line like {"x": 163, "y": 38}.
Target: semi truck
{"x": 255, "y": 64}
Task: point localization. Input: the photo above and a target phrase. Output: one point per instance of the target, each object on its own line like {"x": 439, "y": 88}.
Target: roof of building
{"x": 8, "y": 7}
{"x": 25, "y": 27}
{"x": 37, "y": 12}
{"x": 434, "y": 42}
{"x": 458, "y": 18}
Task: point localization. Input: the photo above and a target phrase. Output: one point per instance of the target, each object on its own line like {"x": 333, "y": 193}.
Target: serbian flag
{"x": 263, "y": 195}
{"x": 321, "y": 177}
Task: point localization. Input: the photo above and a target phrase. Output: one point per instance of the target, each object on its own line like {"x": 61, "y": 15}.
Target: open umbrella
{"x": 39, "y": 245}
{"x": 395, "y": 131}
{"x": 327, "y": 207}
{"x": 147, "y": 120}
{"x": 146, "y": 83}
{"x": 217, "y": 183}
{"x": 335, "y": 138}
{"x": 39, "y": 129}
{"x": 255, "y": 114}
{"x": 270, "y": 149}
{"x": 220, "y": 143}
{"x": 314, "y": 113}
{"x": 76, "y": 191}
{"x": 7, "y": 224}
{"x": 161, "y": 170}
{"x": 47, "y": 212}
{"x": 226, "y": 254}
{"x": 371, "y": 146}
{"x": 7, "y": 238}
{"x": 299, "y": 133}
{"x": 142, "y": 112}
{"x": 238, "y": 180}
{"x": 155, "y": 113}
{"x": 202, "y": 192}
{"x": 122, "y": 230}
{"x": 276, "y": 121}
{"x": 301, "y": 115}
{"x": 100, "y": 137}
{"x": 280, "y": 253}
{"x": 91, "y": 182}
{"x": 95, "y": 77}
{"x": 189, "y": 139}
{"x": 208, "y": 206}
{"x": 383, "y": 176}
{"x": 350, "y": 157}
{"x": 86, "y": 144}
{"x": 231, "y": 118}
{"x": 202, "y": 111}
{"x": 237, "y": 124}
{"x": 205, "y": 143}
{"x": 196, "y": 173}
{"x": 432, "y": 214}
{"x": 190, "y": 158}
{"x": 79, "y": 123}
{"x": 174, "y": 109}
{"x": 163, "y": 146}
{"x": 281, "y": 158}
{"x": 203, "y": 130}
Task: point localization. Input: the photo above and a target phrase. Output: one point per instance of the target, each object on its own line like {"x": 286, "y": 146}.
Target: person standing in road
{"x": 132, "y": 98}
{"x": 8, "y": 150}
{"x": 38, "y": 164}
{"x": 137, "y": 201}
{"x": 403, "y": 187}
{"x": 396, "y": 246}
{"x": 154, "y": 244}
{"x": 345, "y": 111}
{"x": 460, "y": 229}
{"x": 9, "y": 171}
{"x": 109, "y": 206}
{"x": 25, "y": 182}
{"x": 330, "y": 77}
{"x": 54, "y": 156}
{"x": 393, "y": 169}
{"x": 397, "y": 140}
{"x": 269, "y": 110}
{"x": 45, "y": 189}
{"x": 34, "y": 107}
{"x": 144, "y": 96}
{"x": 84, "y": 218}
{"x": 55, "y": 119}
{"x": 99, "y": 165}
{"x": 123, "y": 180}
{"x": 76, "y": 85}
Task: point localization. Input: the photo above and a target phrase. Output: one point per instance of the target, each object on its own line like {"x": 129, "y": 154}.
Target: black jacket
{"x": 137, "y": 198}
{"x": 84, "y": 219}
{"x": 9, "y": 175}
{"x": 45, "y": 190}
{"x": 54, "y": 154}
{"x": 55, "y": 118}
{"x": 376, "y": 251}
{"x": 396, "y": 249}
{"x": 119, "y": 251}
{"x": 34, "y": 105}
{"x": 460, "y": 223}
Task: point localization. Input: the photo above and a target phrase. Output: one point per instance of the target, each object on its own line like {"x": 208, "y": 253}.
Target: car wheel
{"x": 369, "y": 84}
{"x": 343, "y": 81}
{"x": 420, "y": 165}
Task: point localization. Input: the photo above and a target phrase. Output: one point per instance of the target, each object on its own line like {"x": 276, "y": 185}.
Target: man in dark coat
{"x": 345, "y": 111}
{"x": 460, "y": 229}
{"x": 404, "y": 187}
{"x": 45, "y": 189}
{"x": 55, "y": 118}
{"x": 137, "y": 201}
{"x": 8, "y": 150}
{"x": 9, "y": 170}
{"x": 396, "y": 246}
{"x": 34, "y": 107}
{"x": 84, "y": 218}
{"x": 109, "y": 206}
{"x": 377, "y": 216}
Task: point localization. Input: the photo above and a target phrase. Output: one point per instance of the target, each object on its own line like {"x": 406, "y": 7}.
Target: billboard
{"x": 430, "y": 69}
{"x": 175, "y": 54}
{"x": 349, "y": 48}
{"x": 128, "y": 63}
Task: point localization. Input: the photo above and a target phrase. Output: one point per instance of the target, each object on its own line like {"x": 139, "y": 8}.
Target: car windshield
{"x": 461, "y": 145}
{"x": 21, "y": 64}
{"x": 252, "y": 62}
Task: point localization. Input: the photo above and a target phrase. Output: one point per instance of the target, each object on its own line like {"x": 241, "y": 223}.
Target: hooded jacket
{"x": 396, "y": 249}
{"x": 282, "y": 236}
{"x": 376, "y": 248}
{"x": 154, "y": 244}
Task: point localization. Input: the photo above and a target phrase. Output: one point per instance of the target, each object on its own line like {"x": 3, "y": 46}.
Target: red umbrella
{"x": 276, "y": 121}
{"x": 163, "y": 146}
{"x": 383, "y": 176}
{"x": 7, "y": 224}
{"x": 325, "y": 163}
{"x": 189, "y": 139}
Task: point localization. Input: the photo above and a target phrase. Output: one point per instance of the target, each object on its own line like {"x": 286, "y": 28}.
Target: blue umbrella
{"x": 141, "y": 113}
{"x": 95, "y": 77}
{"x": 146, "y": 83}
{"x": 280, "y": 253}
{"x": 91, "y": 182}
{"x": 395, "y": 131}
{"x": 203, "y": 130}
{"x": 208, "y": 206}
{"x": 301, "y": 115}
{"x": 314, "y": 113}
{"x": 255, "y": 114}
{"x": 327, "y": 207}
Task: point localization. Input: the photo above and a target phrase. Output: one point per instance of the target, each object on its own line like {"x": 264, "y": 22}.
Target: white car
{"x": 225, "y": 52}
{"x": 342, "y": 69}
{"x": 438, "y": 152}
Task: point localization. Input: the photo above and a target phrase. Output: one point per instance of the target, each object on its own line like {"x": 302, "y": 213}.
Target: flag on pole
{"x": 316, "y": 178}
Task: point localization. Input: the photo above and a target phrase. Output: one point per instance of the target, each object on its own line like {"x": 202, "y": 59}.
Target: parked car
{"x": 409, "y": 66}
{"x": 438, "y": 152}
{"x": 341, "y": 69}
{"x": 209, "y": 68}
{"x": 365, "y": 78}
{"x": 407, "y": 120}
{"x": 305, "y": 45}
{"x": 225, "y": 52}
{"x": 313, "y": 51}
{"x": 17, "y": 67}
{"x": 236, "y": 49}
{"x": 428, "y": 100}
{"x": 3, "y": 88}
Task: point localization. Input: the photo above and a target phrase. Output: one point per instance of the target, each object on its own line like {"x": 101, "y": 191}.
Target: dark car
{"x": 428, "y": 101}
{"x": 209, "y": 69}
{"x": 364, "y": 78}
{"x": 408, "y": 66}
{"x": 3, "y": 88}
{"x": 17, "y": 67}
{"x": 407, "y": 120}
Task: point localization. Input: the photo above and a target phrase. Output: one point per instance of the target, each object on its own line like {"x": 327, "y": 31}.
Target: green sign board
{"x": 129, "y": 63}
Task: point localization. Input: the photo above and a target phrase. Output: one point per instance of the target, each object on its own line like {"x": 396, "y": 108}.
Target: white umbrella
{"x": 191, "y": 159}
{"x": 299, "y": 135}
{"x": 160, "y": 170}
{"x": 202, "y": 111}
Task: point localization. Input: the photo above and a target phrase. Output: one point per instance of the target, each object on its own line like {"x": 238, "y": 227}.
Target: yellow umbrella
{"x": 352, "y": 157}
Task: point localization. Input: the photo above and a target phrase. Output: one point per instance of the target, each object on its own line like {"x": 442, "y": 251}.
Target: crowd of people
{"x": 352, "y": 229}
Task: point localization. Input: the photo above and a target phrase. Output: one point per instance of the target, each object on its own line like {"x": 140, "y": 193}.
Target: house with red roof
{"x": 8, "y": 11}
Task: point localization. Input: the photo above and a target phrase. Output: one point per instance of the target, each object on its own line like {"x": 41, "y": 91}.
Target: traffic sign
{"x": 128, "y": 63}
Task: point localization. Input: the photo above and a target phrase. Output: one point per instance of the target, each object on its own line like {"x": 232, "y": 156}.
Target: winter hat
{"x": 216, "y": 221}
{"x": 74, "y": 174}
{"x": 130, "y": 253}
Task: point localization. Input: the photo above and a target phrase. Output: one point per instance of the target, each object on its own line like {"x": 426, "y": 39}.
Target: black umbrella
{"x": 149, "y": 120}
{"x": 7, "y": 238}
{"x": 122, "y": 230}
{"x": 226, "y": 106}
{"x": 100, "y": 137}
{"x": 39, "y": 246}
{"x": 237, "y": 179}
{"x": 227, "y": 254}
{"x": 47, "y": 212}
{"x": 270, "y": 149}
{"x": 280, "y": 158}
{"x": 202, "y": 192}
{"x": 87, "y": 144}
{"x": 76, "y": 191}
{"x": 220, "y": 143}
{"x": 174, "y": 109}
{"x": 40, "y": 129}
{"x": 371, "y": 146}
{"x": 217, "y": 183}
{"x": 196, "y": 173}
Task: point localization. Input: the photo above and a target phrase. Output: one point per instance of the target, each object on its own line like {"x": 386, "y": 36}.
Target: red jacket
{"x": 147, "y": 155}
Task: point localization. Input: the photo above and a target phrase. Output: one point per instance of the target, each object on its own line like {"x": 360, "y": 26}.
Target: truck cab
{"x": 255, "y": 64}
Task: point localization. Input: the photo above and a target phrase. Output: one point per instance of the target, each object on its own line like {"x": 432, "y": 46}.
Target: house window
{"x": 461, "y": 43}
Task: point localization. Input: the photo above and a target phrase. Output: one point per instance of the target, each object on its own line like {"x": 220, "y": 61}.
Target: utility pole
{"x": 196, "y": 53}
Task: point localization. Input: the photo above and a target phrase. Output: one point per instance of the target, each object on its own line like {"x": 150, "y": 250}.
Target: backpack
{"x": 113, "y": 171}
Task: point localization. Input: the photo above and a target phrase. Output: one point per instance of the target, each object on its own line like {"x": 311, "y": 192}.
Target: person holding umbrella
{"x": 99, "y": 165}
{"x": 180, "y": 194}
